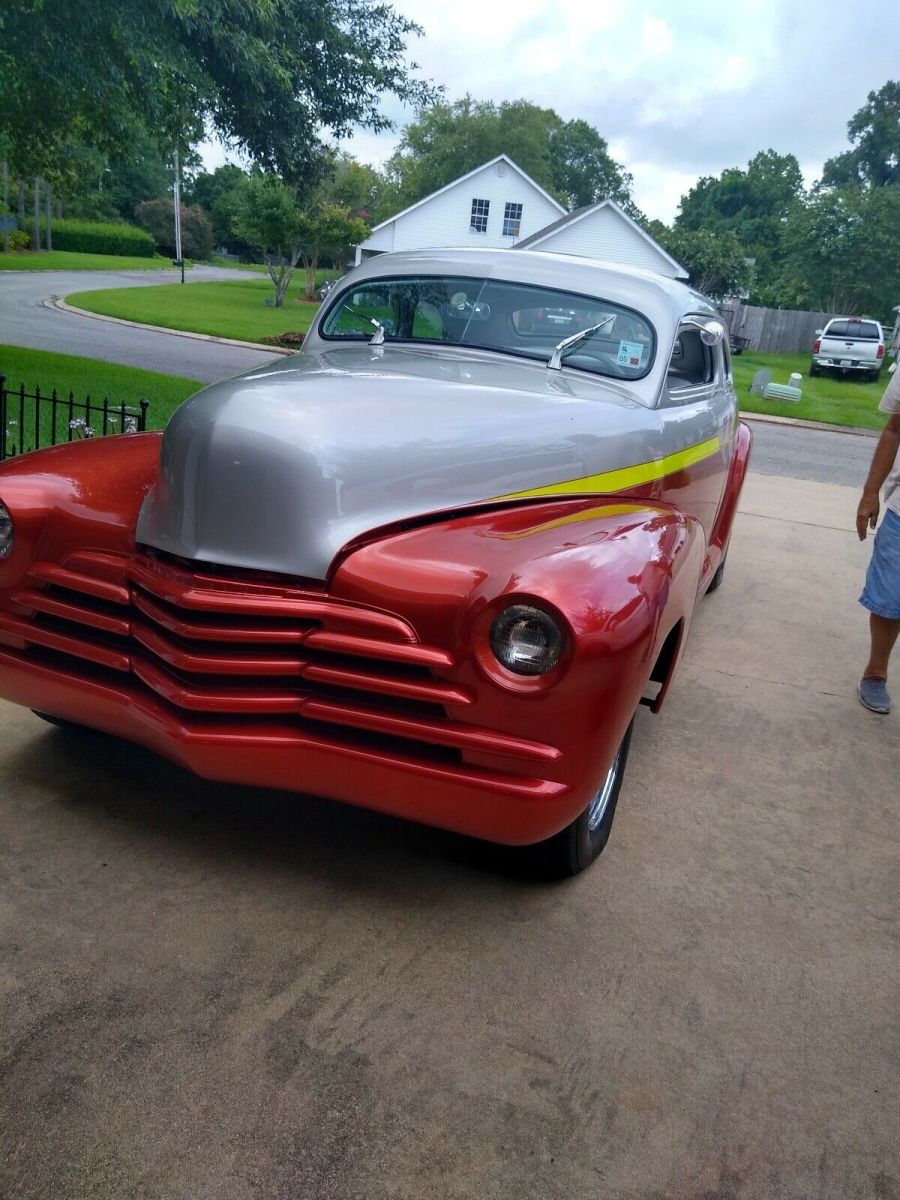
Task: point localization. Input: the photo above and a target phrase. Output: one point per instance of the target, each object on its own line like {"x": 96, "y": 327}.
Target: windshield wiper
{"x": 378, "y": 336}
{"x": 555, "y": 363}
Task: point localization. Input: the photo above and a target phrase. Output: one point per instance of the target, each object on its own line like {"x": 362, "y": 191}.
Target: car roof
{"x": 658, "y": 297}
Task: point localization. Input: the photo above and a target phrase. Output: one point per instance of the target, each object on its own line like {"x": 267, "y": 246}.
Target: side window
{"x": 479, "y": 218}
{"x": 691, "y": 365}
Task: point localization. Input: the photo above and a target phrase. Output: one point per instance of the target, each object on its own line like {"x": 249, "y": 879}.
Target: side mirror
{"x": 712, "y": 333}
{"x": 819, "y": 332}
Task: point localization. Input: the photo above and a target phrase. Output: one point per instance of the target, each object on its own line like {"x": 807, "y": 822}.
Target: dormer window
{"x": 479, "y": 219}
{"x": 512, "y": 220}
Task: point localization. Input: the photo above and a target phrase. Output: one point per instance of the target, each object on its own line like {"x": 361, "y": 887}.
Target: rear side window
{"x": 853, "y": 327}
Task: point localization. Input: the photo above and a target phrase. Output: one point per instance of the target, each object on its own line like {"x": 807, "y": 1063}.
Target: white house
{"x": 604, "y": 231}
{"x": 498, "y": 206}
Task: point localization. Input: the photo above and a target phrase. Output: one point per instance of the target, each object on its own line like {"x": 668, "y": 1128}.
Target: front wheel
{"x": 574, "y": 848}
{"x": 60, "y": 722}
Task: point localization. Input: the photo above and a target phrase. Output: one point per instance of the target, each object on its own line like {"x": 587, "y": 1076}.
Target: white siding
{"x": 605, "y": 235}
{"x": 443, "y": 220}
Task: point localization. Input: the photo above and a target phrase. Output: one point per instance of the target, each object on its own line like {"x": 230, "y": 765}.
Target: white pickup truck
{"x": 848, "y": 344}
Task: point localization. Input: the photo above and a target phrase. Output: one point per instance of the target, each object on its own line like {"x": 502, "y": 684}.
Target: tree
{"x": 874, "y": 131}
{"x": 352, "y": 185}
{"x": 568, "y": 159}
{"x": 157, "y": 217}
{"x": 327, "y": 231}
{"x": 219, "y": 194}
{"x": 715, "y": 261}
{"x": 266, "y": 75}
{"x": 583, "y": 171}
{"x": 842, "y": 252}
{"x": 268, "y": 219}
{"x": 754, "y": 204}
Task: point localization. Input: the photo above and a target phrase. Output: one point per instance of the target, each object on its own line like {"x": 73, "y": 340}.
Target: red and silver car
{"x": 430, "y": 565}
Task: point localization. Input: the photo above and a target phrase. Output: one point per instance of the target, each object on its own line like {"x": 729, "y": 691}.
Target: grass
{"x": 830, "y": 398}
{"x": 67, "y": 260}
{"x": 86, "y": 376}
{"x": 235, "y": 309}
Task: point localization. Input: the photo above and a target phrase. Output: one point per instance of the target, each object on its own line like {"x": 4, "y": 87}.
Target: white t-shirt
{"x": 890, "y": 403}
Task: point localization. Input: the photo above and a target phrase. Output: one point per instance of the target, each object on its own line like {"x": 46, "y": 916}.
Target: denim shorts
{"x": 881, "y": 594}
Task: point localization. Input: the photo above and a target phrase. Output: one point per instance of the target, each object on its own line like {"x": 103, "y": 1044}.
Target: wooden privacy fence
{"x": 29, "y": 420}
{"x": 775, "y": 330}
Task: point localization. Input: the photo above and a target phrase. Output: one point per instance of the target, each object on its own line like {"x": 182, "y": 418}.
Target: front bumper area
{"x": 264, "y": 684}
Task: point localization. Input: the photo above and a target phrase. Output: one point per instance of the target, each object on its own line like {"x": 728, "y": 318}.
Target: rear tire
{"x": 814, "y": 369}
{"x": 574, "y": 848}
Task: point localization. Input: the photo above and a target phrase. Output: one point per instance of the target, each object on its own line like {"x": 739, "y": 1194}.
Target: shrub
{"x": 157, "y": 218}
{"x": 18, "y": 239}
{"x": 97, "y": 237}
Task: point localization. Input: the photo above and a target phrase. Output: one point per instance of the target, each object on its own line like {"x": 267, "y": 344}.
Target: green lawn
{"x": 825, "y": 398}
{"x": 83, "y": 376}
{"x": 65, "y": 260}
{"x": 235, "y": 309}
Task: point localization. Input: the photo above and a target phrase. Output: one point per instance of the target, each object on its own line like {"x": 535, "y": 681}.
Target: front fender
{"x": 622, "y": 575}
{"x": 93, "y": 491}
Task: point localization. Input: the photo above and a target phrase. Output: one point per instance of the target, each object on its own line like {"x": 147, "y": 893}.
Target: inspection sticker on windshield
{"x": 630, "y": 354}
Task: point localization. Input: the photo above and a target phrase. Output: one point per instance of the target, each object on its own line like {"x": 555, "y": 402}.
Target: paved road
{"x": 815, "y": 454}
{"x": 25, "y": 321}
{"x": 213, "y": 992}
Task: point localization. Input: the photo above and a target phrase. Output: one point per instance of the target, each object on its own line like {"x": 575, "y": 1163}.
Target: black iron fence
{"x": 30, "y": 420}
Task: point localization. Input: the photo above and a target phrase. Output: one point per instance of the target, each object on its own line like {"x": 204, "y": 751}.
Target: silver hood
{"x": 278, "y": 469}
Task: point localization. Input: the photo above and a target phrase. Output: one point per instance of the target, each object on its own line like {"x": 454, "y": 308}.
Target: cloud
{"x": 678, "y": 89}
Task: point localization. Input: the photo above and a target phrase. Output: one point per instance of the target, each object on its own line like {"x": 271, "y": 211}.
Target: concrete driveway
{"x": 26, "y": 321}
{"x": 213, "y": 993}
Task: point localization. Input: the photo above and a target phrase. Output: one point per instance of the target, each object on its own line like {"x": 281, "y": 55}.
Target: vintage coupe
{"x": 430, "y": 565}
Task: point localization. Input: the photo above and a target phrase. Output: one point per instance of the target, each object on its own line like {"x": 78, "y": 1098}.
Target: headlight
{"x": 526, "y": 640}
{"x": 7, "y": 533}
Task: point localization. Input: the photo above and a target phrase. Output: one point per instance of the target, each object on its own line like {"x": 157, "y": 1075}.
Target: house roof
{"x": 578, "y": 214}
{"x": 446, "y": 188}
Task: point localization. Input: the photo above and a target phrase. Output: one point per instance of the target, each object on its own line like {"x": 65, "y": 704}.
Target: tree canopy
{"x": 266, "y": 75}
{"x": 874, "y": 131}
{"x": 567, "y": 158}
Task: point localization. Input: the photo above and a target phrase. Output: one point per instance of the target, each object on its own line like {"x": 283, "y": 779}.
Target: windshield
{"x": 488, "y": 314}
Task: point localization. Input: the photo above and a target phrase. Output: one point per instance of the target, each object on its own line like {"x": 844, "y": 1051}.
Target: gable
{"x": 444, "y": 218}
{"x": 607, "y": 234}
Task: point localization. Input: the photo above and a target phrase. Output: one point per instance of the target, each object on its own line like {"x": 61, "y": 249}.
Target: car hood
{"x": 279, "y": 468}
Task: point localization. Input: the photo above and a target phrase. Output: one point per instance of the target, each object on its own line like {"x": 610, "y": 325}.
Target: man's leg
{"x": 884, "y": 634}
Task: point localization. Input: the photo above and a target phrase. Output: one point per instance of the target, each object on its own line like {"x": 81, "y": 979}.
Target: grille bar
{"x": 207, "y": 644}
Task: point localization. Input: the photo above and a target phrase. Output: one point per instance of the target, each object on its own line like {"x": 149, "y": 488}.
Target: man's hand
{"x": 867, "y": 514}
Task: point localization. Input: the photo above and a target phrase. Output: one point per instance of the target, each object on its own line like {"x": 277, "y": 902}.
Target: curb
{"x": 797, "y": 423}
{"x": 58, "y": 303}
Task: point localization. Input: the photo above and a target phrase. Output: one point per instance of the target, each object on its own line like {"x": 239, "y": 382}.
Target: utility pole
{"x": 49, "y": 234}
{"x": 5, "y": 207}
{"x": 36, "y": 240}
{"x": 179, "y": 256}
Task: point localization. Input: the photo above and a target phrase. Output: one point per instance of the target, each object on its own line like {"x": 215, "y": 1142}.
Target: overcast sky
{"x": 679, "y": 89}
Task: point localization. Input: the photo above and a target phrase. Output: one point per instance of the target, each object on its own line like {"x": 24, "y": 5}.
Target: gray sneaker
{"x": 873, "y": 695}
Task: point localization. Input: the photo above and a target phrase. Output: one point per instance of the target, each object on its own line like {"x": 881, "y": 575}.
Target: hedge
{"x": 96, "y": 237}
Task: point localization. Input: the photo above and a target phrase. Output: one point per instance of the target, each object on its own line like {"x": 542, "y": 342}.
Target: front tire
{"x": 60, "y": 722}
{"x": 574, "y": 848}
{"x": 718, "y": 575}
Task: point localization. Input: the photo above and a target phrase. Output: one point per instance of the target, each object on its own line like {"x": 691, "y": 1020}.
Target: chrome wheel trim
{"x": 600, "y": 803}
